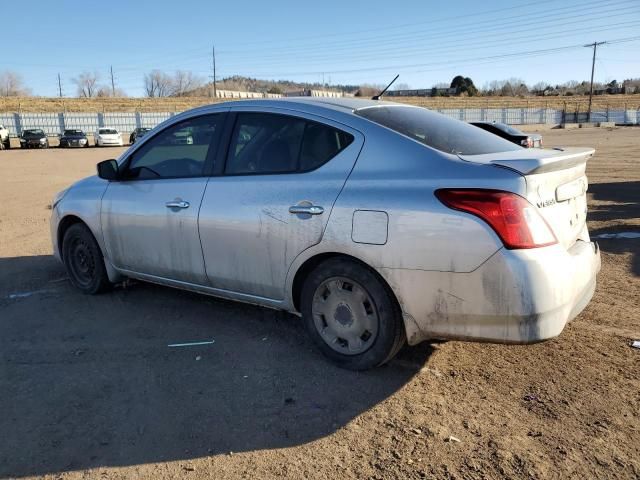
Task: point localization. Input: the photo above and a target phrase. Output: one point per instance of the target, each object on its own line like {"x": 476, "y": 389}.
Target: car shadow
{"x": 90, "y": 381}
{"x": 622, "y": 203}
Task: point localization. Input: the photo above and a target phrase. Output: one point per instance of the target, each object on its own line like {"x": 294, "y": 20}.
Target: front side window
{"x": 178, "y": 151}
{"x": 264, "y": 143}
{"x": 436, "y": 130}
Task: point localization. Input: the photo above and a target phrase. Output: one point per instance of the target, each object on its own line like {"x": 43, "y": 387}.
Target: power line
{"x": 508, "y": 55}
{"x": 352, "y": 56}
{"x": 446, "y": 53}
{"x": 492, "y": 25}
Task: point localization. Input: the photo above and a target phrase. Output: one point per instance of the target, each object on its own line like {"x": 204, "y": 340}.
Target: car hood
{"x": 33, "y": 137}
{"x": 74, "y": 137}
{"x": 88, "y": 182}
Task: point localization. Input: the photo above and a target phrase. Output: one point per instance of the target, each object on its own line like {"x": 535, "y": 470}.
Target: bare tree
{"x": 539, "y": 87}
{"x": 87, "y": 84}
{"x": 106, "y": 91}
{"x": 400, "y": 86}
{"x": 157, "y": 84}
{"x": 184, "y": 82}
{"x": 12, "y": 85}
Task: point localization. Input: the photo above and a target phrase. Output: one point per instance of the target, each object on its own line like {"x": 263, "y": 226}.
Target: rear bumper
{"x": 516, "y": 296}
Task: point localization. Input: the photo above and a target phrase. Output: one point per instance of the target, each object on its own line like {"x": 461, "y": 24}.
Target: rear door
{"x": 282, "y": 176}
{"x": 150, "y": 217}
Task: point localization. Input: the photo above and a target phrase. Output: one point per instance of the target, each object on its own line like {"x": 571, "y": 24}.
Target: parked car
{"x": 527, "y": 140}
{"x": 378, "y": 223}
{"x": 74, "y": 137}
{"x": 137, "y": 134}
{"x": 4, "y": 138}
{"x": 107, "y": 136}
{"x": 34, "y": 138}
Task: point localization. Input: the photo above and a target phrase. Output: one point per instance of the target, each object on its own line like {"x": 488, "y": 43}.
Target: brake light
{"x": 513, "y": 218}
{"x": 527, "y": 142}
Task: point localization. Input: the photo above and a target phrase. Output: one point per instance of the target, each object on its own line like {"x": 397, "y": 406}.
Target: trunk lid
{"x": 556, "y": 184}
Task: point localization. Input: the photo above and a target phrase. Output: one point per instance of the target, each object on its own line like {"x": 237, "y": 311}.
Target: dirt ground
{"x": 89, "y": 388}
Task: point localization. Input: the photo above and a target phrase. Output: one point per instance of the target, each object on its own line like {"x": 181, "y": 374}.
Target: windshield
{"x": 143, "y": 130}
{"x": 107, "y": 131}
{"x": 73, "y": 132}
{"x": 436, "y": 130}
{"x": 32, "y": 133}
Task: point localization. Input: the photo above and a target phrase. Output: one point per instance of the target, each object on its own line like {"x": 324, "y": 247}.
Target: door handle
{"x": 308, "y": 209}
{"x": 177, "y": 204}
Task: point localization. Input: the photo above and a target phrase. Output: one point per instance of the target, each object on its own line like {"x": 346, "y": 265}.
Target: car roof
{"x": 333, "y": 107}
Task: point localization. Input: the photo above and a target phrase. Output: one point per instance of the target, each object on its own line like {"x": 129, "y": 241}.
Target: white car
{"x": 107, "y": 136}
{"x": 4, "y": 137}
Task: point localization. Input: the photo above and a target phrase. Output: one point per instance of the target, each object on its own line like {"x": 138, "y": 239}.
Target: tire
{"x": 352, "y": 315}
{"x": 84, "y": 261}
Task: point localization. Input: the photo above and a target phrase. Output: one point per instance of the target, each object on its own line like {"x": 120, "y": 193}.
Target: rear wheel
{"x": 84, "y": 261}
{"x": 352, "y": 315}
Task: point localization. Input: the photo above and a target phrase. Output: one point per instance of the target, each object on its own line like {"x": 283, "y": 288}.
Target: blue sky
{"x": 426, "y": 42}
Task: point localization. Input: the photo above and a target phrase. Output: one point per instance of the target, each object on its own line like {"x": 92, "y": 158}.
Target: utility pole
{"x": 593, "y": 66}
{"x": 59, "y": 86}
{"x": 113, "y": 85}
{"x": 213, "y": 58}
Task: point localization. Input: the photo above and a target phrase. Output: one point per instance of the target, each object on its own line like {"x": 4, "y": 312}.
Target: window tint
{"x": 270, "y": 143}
{"x": 436, "y": 130}
{"x": 178, "y": 151}
{"x": 320, "y": 144}
{"x": 508, "y": 129}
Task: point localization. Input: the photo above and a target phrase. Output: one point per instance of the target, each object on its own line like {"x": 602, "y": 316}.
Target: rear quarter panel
{"x": 399, "y": 176}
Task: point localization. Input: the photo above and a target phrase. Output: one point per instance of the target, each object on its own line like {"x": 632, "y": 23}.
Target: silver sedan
{"x": 378, "y": 223}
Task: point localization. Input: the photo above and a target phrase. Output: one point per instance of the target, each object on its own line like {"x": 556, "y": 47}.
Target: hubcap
{"x": 82, "y": 264}
{"x": 345, "y": 316}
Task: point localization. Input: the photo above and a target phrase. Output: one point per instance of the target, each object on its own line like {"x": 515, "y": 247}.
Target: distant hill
{"x": 247, "y": 84}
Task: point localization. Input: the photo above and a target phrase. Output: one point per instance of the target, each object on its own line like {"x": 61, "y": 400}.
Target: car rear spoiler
{"x": 535, "y": 160}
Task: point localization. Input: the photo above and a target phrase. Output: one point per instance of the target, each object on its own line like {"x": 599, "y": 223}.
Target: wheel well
{"x": 63, "y": 226}
{"x": 307, "y": 267}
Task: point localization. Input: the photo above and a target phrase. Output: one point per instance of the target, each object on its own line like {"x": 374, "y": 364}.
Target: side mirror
{"x": 108, "y": 170}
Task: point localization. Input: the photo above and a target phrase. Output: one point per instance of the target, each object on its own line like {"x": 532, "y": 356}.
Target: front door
{"x": 282, "y": 176}
{"x": 150, "y": 216}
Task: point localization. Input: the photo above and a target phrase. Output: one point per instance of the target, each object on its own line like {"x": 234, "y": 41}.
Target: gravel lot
{"x": 89, "y": 388}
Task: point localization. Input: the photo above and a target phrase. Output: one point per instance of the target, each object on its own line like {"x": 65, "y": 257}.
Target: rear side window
{"x": 264, "y": 143}
{"x": 436, "y": 130}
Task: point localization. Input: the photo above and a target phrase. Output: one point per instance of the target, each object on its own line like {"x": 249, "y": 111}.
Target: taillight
{"x": 513, "y": 218}
{"x": 527, "y": 142}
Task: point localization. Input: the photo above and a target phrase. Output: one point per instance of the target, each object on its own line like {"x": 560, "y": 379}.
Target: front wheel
{"x": 84, "y": 261}
{"x": 352, "y": 315}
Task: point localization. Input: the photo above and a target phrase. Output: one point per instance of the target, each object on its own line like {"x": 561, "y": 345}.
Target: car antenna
{"x": 377, "y": 97}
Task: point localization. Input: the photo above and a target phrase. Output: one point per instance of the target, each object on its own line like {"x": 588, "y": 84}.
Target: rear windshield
{"x": 107, "y": 131}
{"x": 33, "y": 132}
{"x": 436, "y": 130}
{"x": 508, "y": 129}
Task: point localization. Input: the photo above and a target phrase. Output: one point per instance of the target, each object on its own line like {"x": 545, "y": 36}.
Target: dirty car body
{"x": 471, "y": 236}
